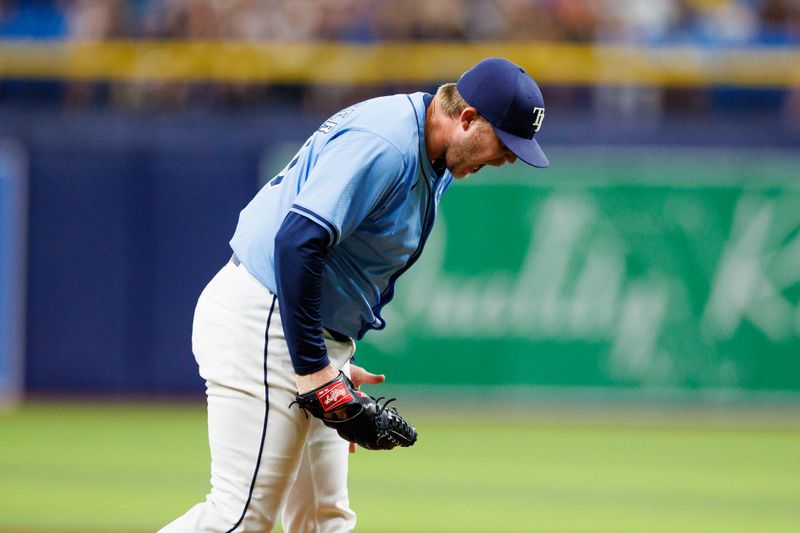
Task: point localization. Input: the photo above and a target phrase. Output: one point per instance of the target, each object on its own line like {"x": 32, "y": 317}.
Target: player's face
{"x": 473, "y": 148}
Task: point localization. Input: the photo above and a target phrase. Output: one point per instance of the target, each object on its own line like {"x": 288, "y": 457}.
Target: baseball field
{"x": 131, "y": 467}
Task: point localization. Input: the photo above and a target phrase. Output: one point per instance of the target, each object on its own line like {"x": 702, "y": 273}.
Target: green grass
{"x": 133, "y": 467}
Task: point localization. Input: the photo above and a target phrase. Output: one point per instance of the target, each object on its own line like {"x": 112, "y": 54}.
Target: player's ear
{"x": 467, "y": 117}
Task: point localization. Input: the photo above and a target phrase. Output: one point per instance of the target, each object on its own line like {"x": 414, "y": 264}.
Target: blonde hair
{"x": 451, "y": 102}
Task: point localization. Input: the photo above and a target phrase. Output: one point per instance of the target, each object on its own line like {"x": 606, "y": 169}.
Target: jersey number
{"x": 274, "y": 182}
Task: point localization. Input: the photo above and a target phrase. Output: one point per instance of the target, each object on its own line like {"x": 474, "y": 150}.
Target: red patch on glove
{"x": 333, "y": 396}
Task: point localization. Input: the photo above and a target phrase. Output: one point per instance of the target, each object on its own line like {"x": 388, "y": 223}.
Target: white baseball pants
{"x": 266, "y": 458}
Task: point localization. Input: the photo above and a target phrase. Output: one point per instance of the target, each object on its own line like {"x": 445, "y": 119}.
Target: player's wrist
{"x": 307, "y": 382}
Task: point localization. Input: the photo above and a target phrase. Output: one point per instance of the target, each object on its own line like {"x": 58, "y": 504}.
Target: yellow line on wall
{"x": 417, "y": 62}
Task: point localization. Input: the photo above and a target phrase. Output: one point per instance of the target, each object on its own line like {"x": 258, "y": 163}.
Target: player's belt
{"x": 235, "y": 260}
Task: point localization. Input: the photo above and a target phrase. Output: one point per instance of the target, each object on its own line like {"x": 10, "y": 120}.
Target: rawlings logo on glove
{"x": 356, "y": 416}
{"x": 333, "y": 395}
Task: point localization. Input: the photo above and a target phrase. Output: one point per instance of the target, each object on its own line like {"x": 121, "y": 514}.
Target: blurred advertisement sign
{"x": 13, "y": 221}
{"x": 659, "y": 271}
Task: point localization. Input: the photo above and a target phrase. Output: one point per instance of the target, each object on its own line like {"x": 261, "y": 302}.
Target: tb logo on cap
{"x": 538, "y": 117}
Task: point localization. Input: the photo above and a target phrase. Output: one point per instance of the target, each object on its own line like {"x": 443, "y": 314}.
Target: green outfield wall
{"x": 662, "y": 271}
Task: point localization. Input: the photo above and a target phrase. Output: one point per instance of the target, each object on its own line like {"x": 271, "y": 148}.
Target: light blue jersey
{"x": 364, "y": 176}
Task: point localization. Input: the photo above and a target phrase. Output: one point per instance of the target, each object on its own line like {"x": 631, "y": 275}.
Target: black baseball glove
{"x": 356, "y": 416}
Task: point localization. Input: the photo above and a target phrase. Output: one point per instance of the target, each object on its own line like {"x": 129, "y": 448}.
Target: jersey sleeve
{"x": 353, "y": 172}
{"x": 300, "y": 248}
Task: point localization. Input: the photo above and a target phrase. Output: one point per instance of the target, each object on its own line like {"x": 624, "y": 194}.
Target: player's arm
{"x": 300, "y": 249}
{"x": 352, "y": 176}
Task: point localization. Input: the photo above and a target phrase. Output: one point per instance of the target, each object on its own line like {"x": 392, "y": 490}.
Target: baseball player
{"x": 316, "y": 255}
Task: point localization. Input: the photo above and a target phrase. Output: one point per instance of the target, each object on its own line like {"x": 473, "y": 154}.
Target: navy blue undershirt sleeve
{"x": 300, "y": 248}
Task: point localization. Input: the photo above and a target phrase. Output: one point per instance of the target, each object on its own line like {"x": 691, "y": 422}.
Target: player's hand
{"x": 359, "y": 376}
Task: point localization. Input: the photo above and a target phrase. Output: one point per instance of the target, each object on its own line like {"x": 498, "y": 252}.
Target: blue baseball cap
{"x": 510, "y": 100}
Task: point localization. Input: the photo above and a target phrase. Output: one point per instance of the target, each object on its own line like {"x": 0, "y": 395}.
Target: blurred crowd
{"x": 704, "y": 21}
{"x": 699, "y": 22}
